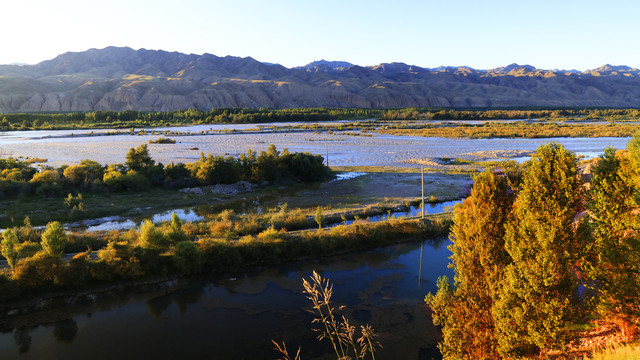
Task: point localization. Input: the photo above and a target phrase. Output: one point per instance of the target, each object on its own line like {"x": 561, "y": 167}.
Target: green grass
{"x": 42, "y": 209}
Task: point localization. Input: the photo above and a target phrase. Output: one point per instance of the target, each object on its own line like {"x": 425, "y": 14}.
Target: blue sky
{"x": 481, "y": 34}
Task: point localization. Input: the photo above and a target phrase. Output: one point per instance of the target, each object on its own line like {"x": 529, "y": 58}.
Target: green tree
{"x": 138, "y": 159}
{"x": 614, "y": 204}
{"x": 151, "y": 237}
{"x": 45, "y": 177}
{"x": 479, "y": 259}
{"x": 175, "y": 233}
{"x": 84, "y": 173}
{"x": 9, "y": 247}
{"x": 539, "y": 297}
{"x": 54, "y": 239}
{"x": 319, "y": 217}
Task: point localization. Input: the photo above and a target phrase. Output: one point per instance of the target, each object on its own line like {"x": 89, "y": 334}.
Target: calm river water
{"x": 236, "y": 315}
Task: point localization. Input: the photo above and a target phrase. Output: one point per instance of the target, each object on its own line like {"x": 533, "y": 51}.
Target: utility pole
{"x": 327, "y": 145}
{"x": 422, "y": 171}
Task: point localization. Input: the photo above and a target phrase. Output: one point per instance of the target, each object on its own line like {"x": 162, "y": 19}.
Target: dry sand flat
{"x": 344, "y": 150}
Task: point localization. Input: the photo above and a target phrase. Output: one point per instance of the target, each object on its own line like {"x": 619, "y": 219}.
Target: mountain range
{"x": 120, "y": 78}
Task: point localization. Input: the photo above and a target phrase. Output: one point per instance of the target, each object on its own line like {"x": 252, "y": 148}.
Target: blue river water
{"x": 236, "y": 315}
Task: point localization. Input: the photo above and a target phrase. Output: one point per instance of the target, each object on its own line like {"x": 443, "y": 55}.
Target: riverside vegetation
{"x": 19, "y": 180}
{"x": 224, "y": 240}
{"x": 132, "y": 118}
{"x": 540, "y": 252}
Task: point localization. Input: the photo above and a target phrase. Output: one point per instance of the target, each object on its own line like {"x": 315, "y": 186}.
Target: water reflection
{"x": 22, "y": 339}
{"x": 65, "y": 331}
{"x": 235, "y": 315}
{"x": 430, "y": 208}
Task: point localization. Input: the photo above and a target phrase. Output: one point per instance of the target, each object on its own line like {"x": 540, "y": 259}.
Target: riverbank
{"x": 354, "y": 195}
{"x": 221, "y": 256}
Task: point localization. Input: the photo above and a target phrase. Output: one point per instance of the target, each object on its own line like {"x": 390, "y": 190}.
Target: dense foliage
{"x": 615, "y": 269}
{"x": 535, "y": 255}
{"x": 132, "y": 118}
{"x": 140, "y": 171}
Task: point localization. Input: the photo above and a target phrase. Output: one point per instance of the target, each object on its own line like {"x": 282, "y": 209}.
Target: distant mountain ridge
{"x": 120, "y": 78}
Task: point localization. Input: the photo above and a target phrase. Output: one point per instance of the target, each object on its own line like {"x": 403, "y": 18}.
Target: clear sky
{"x": 563, "y": 34}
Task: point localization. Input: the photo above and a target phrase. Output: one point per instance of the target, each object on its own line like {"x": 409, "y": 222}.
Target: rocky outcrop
{"x": 122, "y": 78}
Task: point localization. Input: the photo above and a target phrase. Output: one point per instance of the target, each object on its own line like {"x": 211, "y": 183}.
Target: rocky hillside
{"x": 122, "y": 78}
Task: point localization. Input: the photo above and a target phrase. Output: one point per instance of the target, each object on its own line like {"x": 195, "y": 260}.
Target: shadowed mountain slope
{"x": 116, "y": 78}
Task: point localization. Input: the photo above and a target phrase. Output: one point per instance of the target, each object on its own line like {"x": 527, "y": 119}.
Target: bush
{"x": 222, "y": 229}
{"x": 188, "y": 258}
{"x": 77, "y": 273}
{"x": 39, "y": 271}
{"x": 269, "y": 234}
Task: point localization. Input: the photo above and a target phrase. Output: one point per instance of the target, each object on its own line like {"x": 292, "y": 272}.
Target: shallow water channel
{"x": 236, "y": 315}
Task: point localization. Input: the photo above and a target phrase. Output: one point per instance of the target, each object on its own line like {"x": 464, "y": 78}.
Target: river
{"x": 69, "y": 147}
{"x": 236, "y": 315}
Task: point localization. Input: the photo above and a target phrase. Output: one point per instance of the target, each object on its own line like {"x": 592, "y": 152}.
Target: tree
{"x": 319, "y": 217}
{"x": 9, "y": 247}
{"x": 54, "y": 239}
{"x": 138, "y": 159}
{"x": 479, "y": 259}
{"x": 84, "y": 173}
{"x": 45, "y": 177}
{"x": 176, "y": 234}
{"x": 151, "y": 237}
{"x": 615, "y": 268}
{"x": 539, "y": 296}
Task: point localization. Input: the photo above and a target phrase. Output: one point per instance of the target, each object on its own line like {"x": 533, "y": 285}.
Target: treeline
{"x": 513, "y": 114}
{"x": 539, "y": 251}
{"x": 140, "y": 172}
{"x": 133, "y": 118}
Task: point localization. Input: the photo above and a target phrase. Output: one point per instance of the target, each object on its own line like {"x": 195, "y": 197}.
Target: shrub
{"x": 187, "y": 257}
{"x": 269, "y": 234}
{"x": 222, "y": 229}
{"x": 77, "y": 272}
{"x": 40, "y": 270}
